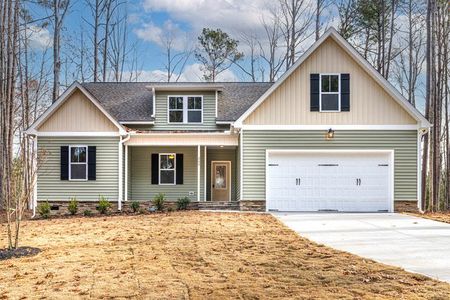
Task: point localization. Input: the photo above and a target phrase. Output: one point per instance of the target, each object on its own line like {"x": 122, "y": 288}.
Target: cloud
{"x": 161, "y": 36}
{"x": 38, "y": 37}
{"x": 192, "y": 73}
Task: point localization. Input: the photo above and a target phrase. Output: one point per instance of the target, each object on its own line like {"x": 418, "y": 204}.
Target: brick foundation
{"x": 252, "y": 205}
{"x": 406, "y": 206}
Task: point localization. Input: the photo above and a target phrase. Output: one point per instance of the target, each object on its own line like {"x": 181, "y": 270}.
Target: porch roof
{"x": 183, "y": 139}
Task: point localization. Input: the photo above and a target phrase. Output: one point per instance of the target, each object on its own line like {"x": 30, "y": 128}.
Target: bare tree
{"x": 96, "y": 8}
{"x": 251, "y": 68}
{"x": 347, "y": 22}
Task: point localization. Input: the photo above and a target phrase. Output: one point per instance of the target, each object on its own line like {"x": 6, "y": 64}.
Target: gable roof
{"x": 332, "y": 33}
{"x": 132, "y": 101}
{"x": 62, "y": 99}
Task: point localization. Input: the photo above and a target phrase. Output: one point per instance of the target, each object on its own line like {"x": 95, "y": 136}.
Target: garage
{"x": 331, "y": 180}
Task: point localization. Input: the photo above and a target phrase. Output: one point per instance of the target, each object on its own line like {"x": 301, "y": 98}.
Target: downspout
{"x": 34, "y": 202}
{"x": 420, "y": 133}
{"x": 121, "y": 142}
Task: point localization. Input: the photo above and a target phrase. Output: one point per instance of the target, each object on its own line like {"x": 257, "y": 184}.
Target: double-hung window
{"x": 330, "y": 89}
{"x": 167, "y": 168}
{"x": 78, "y": 163}
{"x": 185, "y": 109}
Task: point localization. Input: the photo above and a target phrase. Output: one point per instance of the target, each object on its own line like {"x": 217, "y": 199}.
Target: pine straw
{"x": 195, "y": 255}
{"x": 437, "y": 216}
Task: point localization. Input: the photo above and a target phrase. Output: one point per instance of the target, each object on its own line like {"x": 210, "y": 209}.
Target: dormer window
{"x": 185, "y": 109}
{"x": 330, "y": 89}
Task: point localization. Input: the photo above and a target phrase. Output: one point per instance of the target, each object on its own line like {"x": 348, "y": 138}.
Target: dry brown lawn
{"x": 195, "y": 255}
{"x": 437, "y": 216}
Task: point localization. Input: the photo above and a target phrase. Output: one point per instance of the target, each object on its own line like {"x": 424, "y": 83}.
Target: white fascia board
{"x": 63, "y": 99}
{"x": 331, "y": 32}
{"x": 326, "y": 127}
{"x": 187, "y": 87}
{"x": 138, "y": 122}
{"x": 77, "y": 133}
{"x": 180, "y": 133}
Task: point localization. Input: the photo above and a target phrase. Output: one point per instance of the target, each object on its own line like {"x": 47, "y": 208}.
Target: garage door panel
{"x": 329, "y": 181}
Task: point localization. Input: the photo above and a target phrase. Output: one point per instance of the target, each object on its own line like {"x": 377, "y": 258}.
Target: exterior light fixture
{"x": 330, "y": 134}
{"x": 221, "y": 146}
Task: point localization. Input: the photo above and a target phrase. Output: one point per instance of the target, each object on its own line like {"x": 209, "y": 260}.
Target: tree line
{"x": 406, "y": 41}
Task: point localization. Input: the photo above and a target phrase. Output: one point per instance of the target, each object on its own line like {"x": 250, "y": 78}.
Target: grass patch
{"x": 195, "y": 255}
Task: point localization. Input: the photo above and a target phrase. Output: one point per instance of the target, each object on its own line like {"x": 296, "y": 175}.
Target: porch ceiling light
{"x": 330, "y": 134}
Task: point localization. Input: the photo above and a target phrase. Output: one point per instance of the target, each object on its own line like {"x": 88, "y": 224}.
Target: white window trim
{"x": 174, "y": 169}
{"x": 78, "y": 163}
{"x": 329, "y": 93}
{"x": 185, "y": 109}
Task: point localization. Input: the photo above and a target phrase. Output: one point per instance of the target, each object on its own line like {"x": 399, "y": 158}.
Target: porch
{"x": 202, "y": 167}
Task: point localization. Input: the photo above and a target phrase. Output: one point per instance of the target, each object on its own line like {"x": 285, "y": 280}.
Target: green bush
{"x": 142, "y": 210}
{"x": 44, "y": 209}
{"x": 73, "y": 206}
{"x": 158, "y": 201}
{"x": 103, "y": 205}
{"x": 170, "y": 209}
{"x": 87, "y": 213}
{"x": 183, "y": 203}
{"x": 135, "y": 206}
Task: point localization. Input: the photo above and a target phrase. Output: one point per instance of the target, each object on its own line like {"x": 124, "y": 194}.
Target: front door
{"x": 220, "y": 180}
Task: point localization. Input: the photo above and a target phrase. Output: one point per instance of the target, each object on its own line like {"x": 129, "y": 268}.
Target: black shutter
{"x": 155, "y": 168}
{"x": 64, "y": 162}
{"x": 345, "y": 92}
{"x": 92, "y": 163}
{"x": 315, "y": 92}
{"x": 179, "y": 171}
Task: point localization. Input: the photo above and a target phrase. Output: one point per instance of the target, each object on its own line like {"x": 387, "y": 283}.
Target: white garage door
{"x": 329, "y": 181}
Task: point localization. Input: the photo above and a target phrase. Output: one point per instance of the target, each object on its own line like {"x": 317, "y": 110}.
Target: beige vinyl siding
{"x": 142, "y": 188}
{"x": 219, "y": 154}
{"x": 209, "y": 112}
{"x": 49, "y": 185}
{"x": 289, "y": 104}
{"x": 78, "y": 113}
{"x": 404, "y": 144}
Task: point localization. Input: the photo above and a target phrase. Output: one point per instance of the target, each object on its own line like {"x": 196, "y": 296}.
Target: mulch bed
{"x": 19, "y": 252}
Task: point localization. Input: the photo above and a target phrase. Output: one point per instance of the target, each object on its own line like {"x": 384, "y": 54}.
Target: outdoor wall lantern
{"x": 330, "y": 134}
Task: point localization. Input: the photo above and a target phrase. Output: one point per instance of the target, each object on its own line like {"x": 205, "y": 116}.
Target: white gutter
{"x": 34, "y": 202}
{"x": 120, "y": 197}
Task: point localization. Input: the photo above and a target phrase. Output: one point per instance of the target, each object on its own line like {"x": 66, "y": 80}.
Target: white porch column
{"x": 204, "y": 175}
{"x": 119, "y": 198}
{"x": 198, "y": 172}
{"x": 126, "y": 172}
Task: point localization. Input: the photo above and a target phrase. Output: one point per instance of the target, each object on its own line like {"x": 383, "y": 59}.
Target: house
{"x": 330, "y": 134}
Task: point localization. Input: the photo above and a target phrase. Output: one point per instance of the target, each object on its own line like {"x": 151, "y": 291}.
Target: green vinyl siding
{"x": 209, "y": 112}
{"x": 238, "y": 173}
{"x": 49, "y": 185}
{"x": 219, "y": 154}
{"x": 141, "y": 187}
{"x": 404, "y": 144}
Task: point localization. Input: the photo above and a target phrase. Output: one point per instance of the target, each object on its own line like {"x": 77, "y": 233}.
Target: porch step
{"x": 218, "y": 205}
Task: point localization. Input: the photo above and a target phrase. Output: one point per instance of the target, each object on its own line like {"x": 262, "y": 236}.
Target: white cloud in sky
{"x": 39, "y": 38}
{"x": 192, "y": 73}
{"x": 159, "y": 35}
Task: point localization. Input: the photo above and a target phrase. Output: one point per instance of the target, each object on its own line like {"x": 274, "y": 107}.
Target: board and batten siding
{"x": 209, "y": 111}
{"x": 78, "y": 113}
{"x": 51, "y": 187}
{"x": 140, "y": 183}
{"x": 404, "y": 143}
{"x": 289, "y": 104}
{"x": 215, "y": 154}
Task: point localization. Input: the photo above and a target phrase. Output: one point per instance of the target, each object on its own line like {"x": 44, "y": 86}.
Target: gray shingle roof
{"x": 132, "y": 101}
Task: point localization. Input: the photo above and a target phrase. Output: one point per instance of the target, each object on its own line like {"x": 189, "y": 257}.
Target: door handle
{"x": 298, "y": 181}
{"x": 358, "y": 181}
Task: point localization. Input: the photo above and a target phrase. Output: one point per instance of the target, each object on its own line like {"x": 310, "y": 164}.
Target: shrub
{"x": 87, "y": 213}
{"x": 183, "y": 203}
{"x": 158, "y": 201}
{"x": 142, "y": 211}
{"x": 170, "y": 209}
{"x": 73, "y": 206}
{"x": 103, "y": 205}
{"x": 44, "y": 210}
{"x": 135, "y": 206}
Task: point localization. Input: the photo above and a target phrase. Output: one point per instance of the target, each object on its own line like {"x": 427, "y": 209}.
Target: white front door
{"x": 329, "y": 181}
{"x": 220, "y": 180}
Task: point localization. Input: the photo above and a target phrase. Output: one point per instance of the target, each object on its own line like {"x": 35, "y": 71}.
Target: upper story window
{"x": 330, "y": 89}
{"x": 78, "y": 163}
{"x": 185, "y": 109}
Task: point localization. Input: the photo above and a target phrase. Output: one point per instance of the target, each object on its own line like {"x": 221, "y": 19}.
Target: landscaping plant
{"x": 73, "y": 206}
{"x": 44, "y": 210}
{"x": 135, "y": 206}
{"x": 183, "y": 203}
{"x": 87, "y": 213}
{"x": 158, "y": 201}
{"x": 103, "y": 205}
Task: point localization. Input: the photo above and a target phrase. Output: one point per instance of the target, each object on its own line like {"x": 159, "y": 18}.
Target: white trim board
{"x": 331, "y": 32}
{"x": 62, "y": 99}
{"x": 391, "y": 153}
{"x": 77, "y": 133}
{"x": 326, "y": 127}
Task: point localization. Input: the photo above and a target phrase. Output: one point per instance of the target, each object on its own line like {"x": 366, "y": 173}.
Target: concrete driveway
{"x": 412, "y": 243}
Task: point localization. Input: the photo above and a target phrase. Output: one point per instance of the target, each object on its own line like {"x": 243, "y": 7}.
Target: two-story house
{"x": 330, "y": 134}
